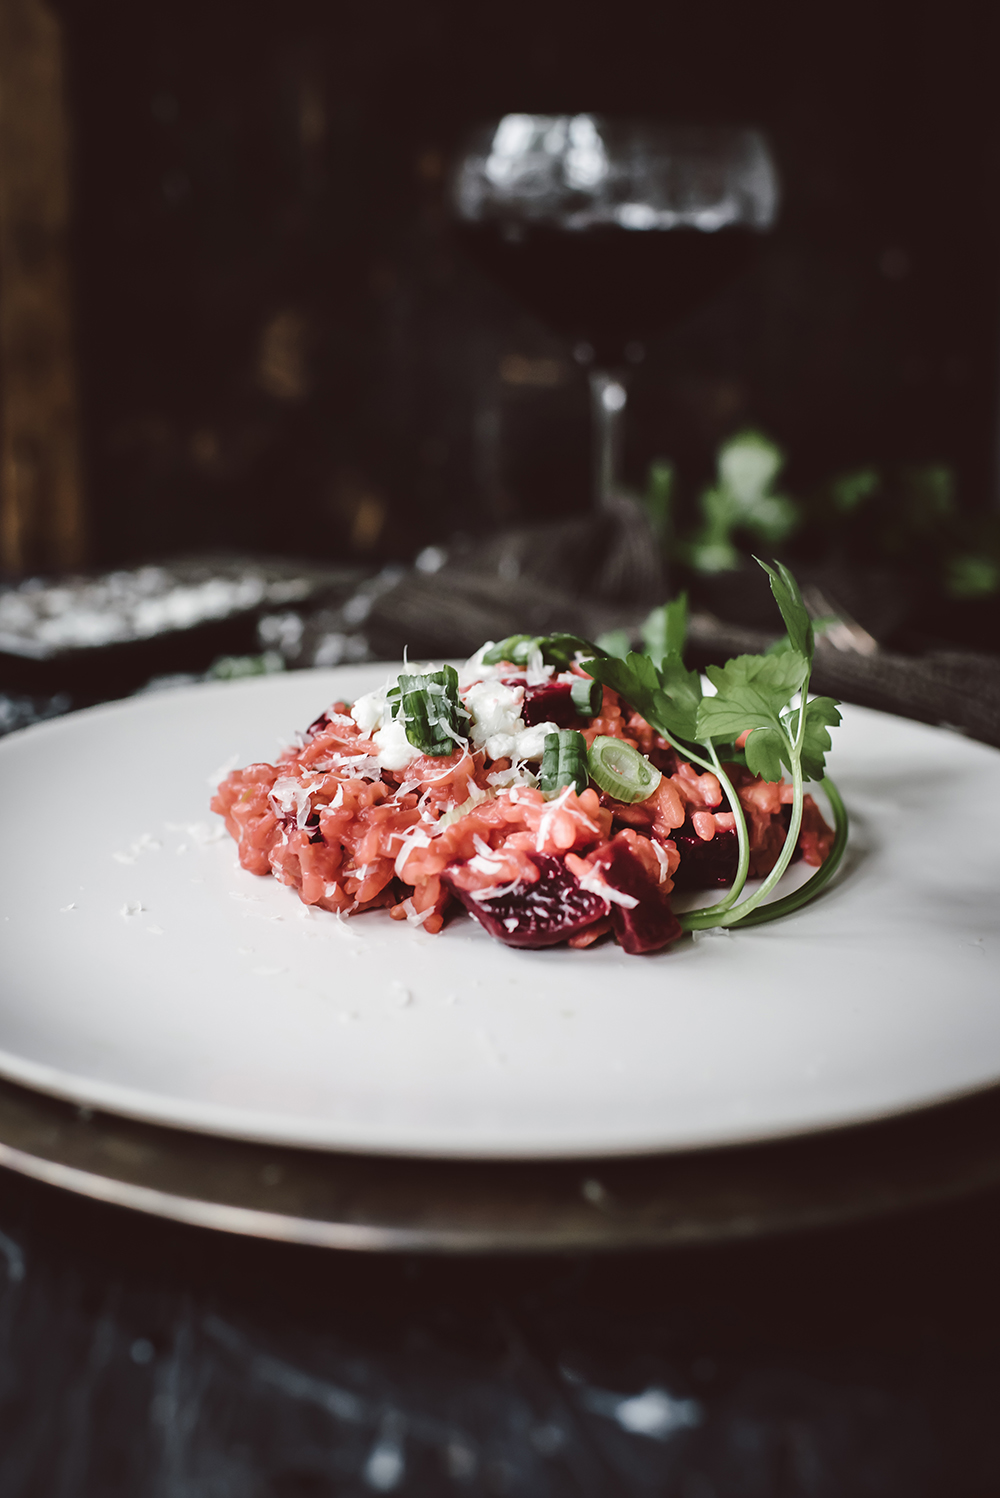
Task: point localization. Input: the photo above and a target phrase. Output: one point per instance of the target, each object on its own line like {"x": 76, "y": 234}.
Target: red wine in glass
{"x": 609, "y": 287}
{"x": 609, "y": 230}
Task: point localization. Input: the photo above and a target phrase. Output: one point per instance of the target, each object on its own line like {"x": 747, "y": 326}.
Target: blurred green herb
{"x": 664, "y": 630}
{"x": 233, "y": 667}
{"x": 972, "y": 576}
{"x": 743, "y": 499}
{"x": 905, "y": 517}
{"x": 658, "y": 499}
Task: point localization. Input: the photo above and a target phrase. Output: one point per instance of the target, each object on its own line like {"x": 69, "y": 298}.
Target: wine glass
{"x": 609, "y": 230}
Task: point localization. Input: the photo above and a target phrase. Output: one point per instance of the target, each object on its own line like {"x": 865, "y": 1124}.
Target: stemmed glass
{"x": 609, "y": 230}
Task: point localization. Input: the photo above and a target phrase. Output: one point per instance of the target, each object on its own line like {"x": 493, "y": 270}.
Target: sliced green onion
{"x": 516, "y": 649}
{"x": 587, "y": 696}
{"x": 621, "y": 771}
{"x": 564, "y": 763}
{"x": 434, "y": 718}
{"x": 558, "y": 650}
{"x": 562, "y": 649}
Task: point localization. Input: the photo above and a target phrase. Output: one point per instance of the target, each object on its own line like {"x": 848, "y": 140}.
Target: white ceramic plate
{"x": 144, "y": 972}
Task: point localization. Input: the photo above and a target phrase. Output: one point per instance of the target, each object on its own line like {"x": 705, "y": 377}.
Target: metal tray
{"x": 389, "y": 1204}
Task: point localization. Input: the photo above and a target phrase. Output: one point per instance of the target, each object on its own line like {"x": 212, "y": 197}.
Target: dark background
{"x": 281, "y": 349}
{"x": 282, "y": 352}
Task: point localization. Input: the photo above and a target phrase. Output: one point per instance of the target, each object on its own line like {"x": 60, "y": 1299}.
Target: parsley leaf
{"x": 766, "y": 751}
{"x": 752, "y": 692}
{"x": 635, "y": 678}
{"x": 680, "y": 698}
{"x": 668, "y": 698}
{"x": 821, "y": 714}
{"x": 793, "y": 610}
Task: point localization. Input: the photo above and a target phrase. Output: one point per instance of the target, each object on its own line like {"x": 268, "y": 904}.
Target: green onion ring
{"x": 621, "y": 771}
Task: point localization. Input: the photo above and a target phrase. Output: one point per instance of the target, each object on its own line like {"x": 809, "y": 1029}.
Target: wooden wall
{"x": 42, "y": 523}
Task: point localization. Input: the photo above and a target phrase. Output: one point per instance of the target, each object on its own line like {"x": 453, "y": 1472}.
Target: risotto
{"x": 527, "y": 794}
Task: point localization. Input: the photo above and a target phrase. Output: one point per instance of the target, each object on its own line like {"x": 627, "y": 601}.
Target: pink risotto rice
{"x": 354, "y": 819}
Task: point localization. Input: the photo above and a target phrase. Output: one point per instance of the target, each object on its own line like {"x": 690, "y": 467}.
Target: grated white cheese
{"x": 290, "y": 796}
{"x": 416, "y": 917}
{"x": 547, "y": 815}
{"x": 596, "y": 886}
{"x": 661, "y": 854}
{"x": 484, "y": 896}
{"x": 413, "y": 837}
{"x": 514, "y": 776}
{"x": 537, "y": 672}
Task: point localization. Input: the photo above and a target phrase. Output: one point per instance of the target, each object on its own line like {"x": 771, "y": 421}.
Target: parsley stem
{"x": 822, "y": 876}
{"x": 708, "y": 915}
{"x": 794, "y": 825}
{"x": 694, "y": 920}
{"x": 697, "y": 920}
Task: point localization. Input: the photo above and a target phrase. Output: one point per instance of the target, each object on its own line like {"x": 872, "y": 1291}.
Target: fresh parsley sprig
{"x": 765, "y": 694}
{"x": 669, "y": 697}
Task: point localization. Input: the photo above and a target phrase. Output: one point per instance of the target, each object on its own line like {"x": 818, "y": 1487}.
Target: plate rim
{"x": 279, "y": 1130}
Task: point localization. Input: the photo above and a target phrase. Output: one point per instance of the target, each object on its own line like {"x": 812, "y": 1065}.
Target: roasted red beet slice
{"x": 648, "y": 925}
{"x": 705, "y": 865}
{"x": 536, "y": 915}
{"x": 713, "y": 864}
{"x": 551, "y": 702}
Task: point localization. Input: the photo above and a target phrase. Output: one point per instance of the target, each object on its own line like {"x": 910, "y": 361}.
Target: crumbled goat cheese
{"x": 395, "y": 751}
{"x": 530, "y": 744}
{"x": 495, "y": 710}
{"x": 369, "y": 711}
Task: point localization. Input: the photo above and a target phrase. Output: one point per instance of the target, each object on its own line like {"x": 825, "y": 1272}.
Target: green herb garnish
{"x": 434, "y": 718}
{"x": 564, "y": 762}
{"x": 754, "y": 692}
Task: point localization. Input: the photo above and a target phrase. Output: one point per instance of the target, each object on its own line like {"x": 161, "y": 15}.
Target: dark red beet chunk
{"x": 317, "y": 725}
{"x": 650, "y": 924}
{"x": 705, "y": 865}
{"x": 540, "y": 914}
{"x": 551, "y": 702}
{"x": 713, "y": 864}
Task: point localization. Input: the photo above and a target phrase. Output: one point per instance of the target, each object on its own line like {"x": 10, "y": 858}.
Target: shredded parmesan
{"x": 595, "y": 885}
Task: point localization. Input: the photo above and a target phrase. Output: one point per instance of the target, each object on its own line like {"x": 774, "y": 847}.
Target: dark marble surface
{"x": 142, "y": 1358}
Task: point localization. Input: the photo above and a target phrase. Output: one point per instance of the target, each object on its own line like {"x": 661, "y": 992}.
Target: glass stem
{"x": 608, "y": 395}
